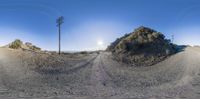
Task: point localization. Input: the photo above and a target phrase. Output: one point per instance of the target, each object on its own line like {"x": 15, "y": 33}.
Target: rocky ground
{"x": 39, "y": 75}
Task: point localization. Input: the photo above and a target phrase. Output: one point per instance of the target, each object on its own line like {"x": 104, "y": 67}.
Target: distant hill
{"x": 142, "y": 47}
{"x": 18, "y": 44}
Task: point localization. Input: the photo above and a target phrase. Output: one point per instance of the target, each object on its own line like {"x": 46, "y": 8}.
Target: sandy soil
{"x": 30, "y": 75}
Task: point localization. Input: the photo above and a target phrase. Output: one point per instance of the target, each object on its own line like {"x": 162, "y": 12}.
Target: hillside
{"x": 18, "y": 44}
{"x": 143, "y": 46}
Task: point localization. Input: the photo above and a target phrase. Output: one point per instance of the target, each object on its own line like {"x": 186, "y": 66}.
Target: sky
{"x": 94, "y": 24}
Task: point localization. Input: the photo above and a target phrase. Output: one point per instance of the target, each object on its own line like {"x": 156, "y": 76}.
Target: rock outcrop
{"x": 143, "y": 47}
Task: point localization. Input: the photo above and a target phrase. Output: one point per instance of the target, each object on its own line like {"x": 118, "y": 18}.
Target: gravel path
{"x": 100, "y": 77}
{"x": 102, "y": 85}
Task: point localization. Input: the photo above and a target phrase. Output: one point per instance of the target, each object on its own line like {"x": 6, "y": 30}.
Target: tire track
{"x": 101, "y": 81}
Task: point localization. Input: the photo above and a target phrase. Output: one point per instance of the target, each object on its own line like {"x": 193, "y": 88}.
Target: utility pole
{"x": 172, "y": 38}
{"x": 59, "y": 22}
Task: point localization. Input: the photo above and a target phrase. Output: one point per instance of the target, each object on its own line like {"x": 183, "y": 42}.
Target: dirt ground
{"x": 33, "y": 75}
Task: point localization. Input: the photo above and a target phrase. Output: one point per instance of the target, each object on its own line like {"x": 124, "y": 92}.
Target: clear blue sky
{"x": 94, "y": 24}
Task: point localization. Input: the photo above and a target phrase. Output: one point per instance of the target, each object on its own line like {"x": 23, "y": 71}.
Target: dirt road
{"x": 100, "y": 77}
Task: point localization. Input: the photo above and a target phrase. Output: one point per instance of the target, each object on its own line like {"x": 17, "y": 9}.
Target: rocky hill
{"x": 142, "y": 47}
{"x": 18, "y": 44}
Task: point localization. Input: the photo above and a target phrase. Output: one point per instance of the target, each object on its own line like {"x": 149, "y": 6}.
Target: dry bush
{"x": 35, "y": 48}
{"x": 16, "y": 44}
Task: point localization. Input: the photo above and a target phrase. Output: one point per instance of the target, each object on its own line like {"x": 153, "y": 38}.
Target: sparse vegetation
{"x": 83, "y": 52}
{"x": 32, "y": 47}
{"x": 35, "y": 48}
{"x": 16, "y": 44}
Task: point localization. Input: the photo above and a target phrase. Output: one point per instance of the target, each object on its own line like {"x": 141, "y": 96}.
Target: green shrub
{"x": 16, "y": 44}
{"x": 35, "y": 48}
{"x": 83, "y": 52}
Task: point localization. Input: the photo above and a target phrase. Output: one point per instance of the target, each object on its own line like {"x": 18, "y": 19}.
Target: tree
{"x": 59, "y": 22}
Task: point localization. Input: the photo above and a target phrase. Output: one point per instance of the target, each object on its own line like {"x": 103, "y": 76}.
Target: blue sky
{"x": 94, "y": 24}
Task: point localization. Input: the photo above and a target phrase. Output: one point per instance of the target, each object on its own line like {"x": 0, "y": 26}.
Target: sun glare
{"x": 100, "y": 43}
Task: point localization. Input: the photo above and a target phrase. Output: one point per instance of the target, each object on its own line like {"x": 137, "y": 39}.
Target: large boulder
{"x": 143, "y": 47}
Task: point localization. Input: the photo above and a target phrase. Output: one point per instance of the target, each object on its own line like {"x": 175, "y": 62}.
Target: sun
{"x": 100, "y": 43}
